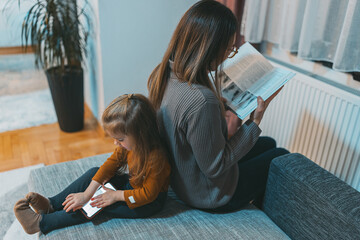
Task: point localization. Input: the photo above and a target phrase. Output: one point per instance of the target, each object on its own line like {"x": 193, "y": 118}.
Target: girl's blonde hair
{"x": 133, "y": 115}
{"x": 199, "y": 42}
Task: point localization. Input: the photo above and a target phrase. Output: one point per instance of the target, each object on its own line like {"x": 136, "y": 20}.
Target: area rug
{"x": 26, "y": 110}
{"x": 13, "y": 188}
{"x": 19, "y": 75}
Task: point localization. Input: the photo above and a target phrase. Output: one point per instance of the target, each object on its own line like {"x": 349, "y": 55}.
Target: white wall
{"x": 133, "y": 38}
{"x": 11, "y": 18}
{"x": 93, "y": 86}
{"x": 129, "y": 41}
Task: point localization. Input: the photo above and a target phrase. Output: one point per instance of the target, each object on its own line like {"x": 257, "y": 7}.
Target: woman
{"x": 209, "y": 170}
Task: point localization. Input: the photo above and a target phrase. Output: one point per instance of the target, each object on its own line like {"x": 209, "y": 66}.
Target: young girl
{"x": 131, "y": 121}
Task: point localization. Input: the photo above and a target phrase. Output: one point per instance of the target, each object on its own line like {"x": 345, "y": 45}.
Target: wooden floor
{"x": 49, "y": 145}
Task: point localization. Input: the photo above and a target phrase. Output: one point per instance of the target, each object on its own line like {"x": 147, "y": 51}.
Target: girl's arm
{"x": 75, "y": 201}
{"x": 110, "y": 166}
{"x": 136, "y": 197}
{"x": 107, "y": 198}
{"x": 148, "y": 192}
{"x": 91, "y": 189}
{"x": 153, "y": 184}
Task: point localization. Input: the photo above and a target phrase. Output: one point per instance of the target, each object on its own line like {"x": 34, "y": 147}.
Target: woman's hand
{"x": 233, "y": 122}
{"x": 106, "y": 199}
{"x": 75, "y": 201}
{"x": 257, "y": 115}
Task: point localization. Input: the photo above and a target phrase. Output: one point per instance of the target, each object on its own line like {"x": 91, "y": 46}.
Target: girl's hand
{"x": 105, "y": 199}
{"x": 75, "y": 201}
{"x": 233, "y": 122}
{"x": 257, "y": 115}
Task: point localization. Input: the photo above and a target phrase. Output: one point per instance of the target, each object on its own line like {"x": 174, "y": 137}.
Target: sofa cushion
{"x": 175, "y": 221}
{"x": 321, "y": 206}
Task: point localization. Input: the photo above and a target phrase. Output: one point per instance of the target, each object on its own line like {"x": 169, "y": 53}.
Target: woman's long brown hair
{"x": 199, "y": 43}
{"x": 133, "y": 115}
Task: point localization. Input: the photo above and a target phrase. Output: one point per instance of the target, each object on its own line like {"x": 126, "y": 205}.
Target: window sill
{"x": 314, "y": 69}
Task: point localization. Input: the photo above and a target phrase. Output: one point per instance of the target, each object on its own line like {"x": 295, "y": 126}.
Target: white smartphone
{"x": 90, "y": 211}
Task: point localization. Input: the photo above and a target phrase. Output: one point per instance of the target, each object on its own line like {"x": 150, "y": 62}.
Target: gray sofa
{"x": 302, "y": 201}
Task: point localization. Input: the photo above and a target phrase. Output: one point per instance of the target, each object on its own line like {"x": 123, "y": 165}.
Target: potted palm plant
{"x": 58, "y": 30}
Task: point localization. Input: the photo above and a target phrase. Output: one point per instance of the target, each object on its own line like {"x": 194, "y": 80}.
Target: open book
{"x": 248, "y": 75}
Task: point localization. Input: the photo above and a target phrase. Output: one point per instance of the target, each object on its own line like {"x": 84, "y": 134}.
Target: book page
{"x": 246, "y": 67}
{"x": 237, "y": 99}
{"x": 271, "y": 82}
{"x": 265, "y": 87}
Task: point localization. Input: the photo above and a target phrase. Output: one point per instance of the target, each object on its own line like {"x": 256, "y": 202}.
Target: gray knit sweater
{"x": 204, "y": 163}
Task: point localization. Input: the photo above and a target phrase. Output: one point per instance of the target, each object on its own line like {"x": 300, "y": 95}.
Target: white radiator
{"x": 319, "y": 121}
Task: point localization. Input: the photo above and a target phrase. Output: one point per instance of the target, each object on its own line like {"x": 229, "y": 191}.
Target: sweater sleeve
{"x": 110, "y": 166}
{"x": 215, "y": 154}
{"x": 153, "y": 184}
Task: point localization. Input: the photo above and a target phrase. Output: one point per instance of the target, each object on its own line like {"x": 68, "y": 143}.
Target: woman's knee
{"x": 268, "y": 142}
{"x": 281, "y": 151}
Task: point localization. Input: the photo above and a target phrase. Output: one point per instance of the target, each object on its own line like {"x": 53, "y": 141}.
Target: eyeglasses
{"x": 233, "y": 51}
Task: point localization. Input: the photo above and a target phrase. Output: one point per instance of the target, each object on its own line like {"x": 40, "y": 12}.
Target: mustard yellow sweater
{"x": 152, "y": 185}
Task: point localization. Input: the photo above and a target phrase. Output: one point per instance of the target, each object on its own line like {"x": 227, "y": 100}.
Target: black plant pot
{"x": 67, "y": 91}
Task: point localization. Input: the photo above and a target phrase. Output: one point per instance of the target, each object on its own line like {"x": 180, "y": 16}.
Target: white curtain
{"x": 326, "y": 30}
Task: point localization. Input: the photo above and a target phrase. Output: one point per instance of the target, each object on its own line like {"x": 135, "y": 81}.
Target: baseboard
{"x": 15, "y": 50}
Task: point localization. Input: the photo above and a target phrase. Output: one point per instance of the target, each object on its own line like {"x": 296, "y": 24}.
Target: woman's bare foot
{"x": 29, "y": 220}
{"x": 39, "y": 203}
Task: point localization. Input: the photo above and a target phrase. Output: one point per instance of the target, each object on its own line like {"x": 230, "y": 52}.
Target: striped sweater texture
{"x": 203, "y": 160}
